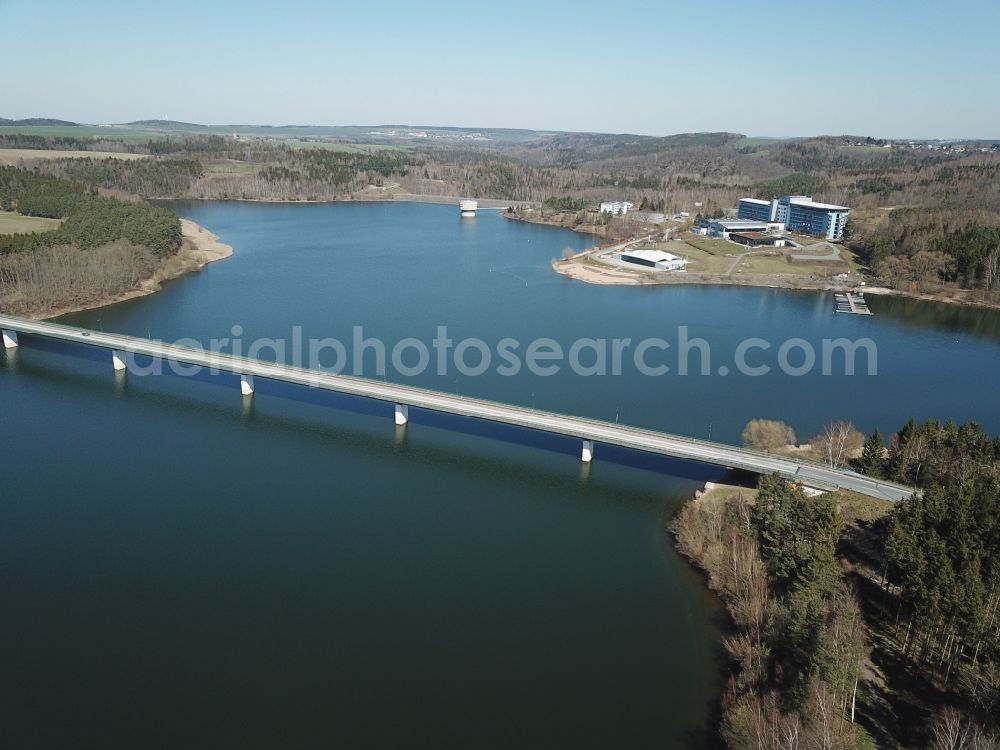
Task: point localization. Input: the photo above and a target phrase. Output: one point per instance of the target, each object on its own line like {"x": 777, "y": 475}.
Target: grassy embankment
{"x": 717, "y": 261}
{"x": 12, "y": 157}
{"x": 12, "y": 222}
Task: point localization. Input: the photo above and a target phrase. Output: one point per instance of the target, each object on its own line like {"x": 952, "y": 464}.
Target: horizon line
{"x": 80, "y": 123}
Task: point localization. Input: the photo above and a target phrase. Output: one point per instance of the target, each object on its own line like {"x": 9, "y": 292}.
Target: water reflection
{"x": 121, "y": 382}
{"x": 401, "y": 438}
{"x": 248, "y": 408}
{"x": 8, "y": 357}
{"x": 943, "y": 316}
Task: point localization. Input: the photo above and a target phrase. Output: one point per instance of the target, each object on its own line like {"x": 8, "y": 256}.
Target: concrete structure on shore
{"x": 656, "y": 259}
{"x": 724, "y": 227}
{"x": 404, "y": 399}
{"x": 468, "y": 208}
{"x": 757, "y": 239}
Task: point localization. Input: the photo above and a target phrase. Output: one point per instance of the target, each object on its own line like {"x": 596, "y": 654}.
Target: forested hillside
{"x": 906, "y": 644}
{"x": 103, "y": 247}
{"x": 938, "y": 557}
{"x": 90, "y": 220}
{"x": 923, "y": 219}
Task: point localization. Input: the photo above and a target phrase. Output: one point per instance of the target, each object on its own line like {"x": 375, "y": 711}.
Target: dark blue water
{"x": 180, "y": 567}
{"x": 402, "y": 270}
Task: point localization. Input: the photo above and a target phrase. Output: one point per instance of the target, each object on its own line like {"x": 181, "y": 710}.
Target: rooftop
{"x": 736, "y": 224}
{"x": 654, "y": 256}
{"x": 756, "y": 235}
{"x": 808, "y": 203}
{"x": 758, "y": 201}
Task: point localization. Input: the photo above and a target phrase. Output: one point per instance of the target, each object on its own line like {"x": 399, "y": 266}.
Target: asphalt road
{"x": 808, "y": 473}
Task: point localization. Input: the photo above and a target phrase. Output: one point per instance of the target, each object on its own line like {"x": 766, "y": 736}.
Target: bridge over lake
{"x": 401, "y": 398}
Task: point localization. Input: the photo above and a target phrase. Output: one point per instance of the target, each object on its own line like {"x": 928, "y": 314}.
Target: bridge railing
{"x": 390, "y": 392}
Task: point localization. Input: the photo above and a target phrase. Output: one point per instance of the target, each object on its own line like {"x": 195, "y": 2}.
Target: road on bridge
{"x": 676, "y": 446}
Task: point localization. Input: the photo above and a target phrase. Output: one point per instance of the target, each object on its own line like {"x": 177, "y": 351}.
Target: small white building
{"x": 616, "y": 207}
{"x": 653, "y": 259}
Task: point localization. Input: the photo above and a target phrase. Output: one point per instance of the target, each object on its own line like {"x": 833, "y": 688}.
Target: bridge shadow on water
{"x": 85, "y": 368}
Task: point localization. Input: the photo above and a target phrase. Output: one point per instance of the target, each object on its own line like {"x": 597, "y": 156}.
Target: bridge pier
{"x": 246, "y": 385}
{"x": 566, "y": 426}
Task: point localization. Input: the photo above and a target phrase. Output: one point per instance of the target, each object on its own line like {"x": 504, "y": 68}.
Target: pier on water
{"x": 852, "y": 303}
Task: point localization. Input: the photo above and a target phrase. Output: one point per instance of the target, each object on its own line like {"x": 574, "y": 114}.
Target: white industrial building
{"x": 653, "y": 259}
{"x": 616, "y": 207}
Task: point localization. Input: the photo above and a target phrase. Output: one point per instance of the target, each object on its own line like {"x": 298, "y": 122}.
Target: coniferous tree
{"x": 872, "y": 461}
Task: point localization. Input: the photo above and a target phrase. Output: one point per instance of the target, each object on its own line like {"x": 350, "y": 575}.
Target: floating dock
{"x": 852, "y": 303}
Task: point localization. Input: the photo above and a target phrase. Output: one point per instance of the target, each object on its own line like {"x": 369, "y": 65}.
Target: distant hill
{"x": 169, "y": 124}
{"x": 574, "y": 148}
{"x": 652, "y": 145}
{"x": 37, "y": 121}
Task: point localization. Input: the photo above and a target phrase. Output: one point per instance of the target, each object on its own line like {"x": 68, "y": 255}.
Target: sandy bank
{"x": 595, "y": 272}
{"x": 600, "y": 274}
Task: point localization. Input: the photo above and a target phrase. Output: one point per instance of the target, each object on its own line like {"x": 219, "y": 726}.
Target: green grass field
{"x": 348, "y": 148}
{"x": 111, "y": 132}
{"x": 14, "y": 156}
{"x": 14, "y": 223}
{"x": 701, "y": 261}
{"x": 775, "y": 262}
{"x": 713, "y": 245}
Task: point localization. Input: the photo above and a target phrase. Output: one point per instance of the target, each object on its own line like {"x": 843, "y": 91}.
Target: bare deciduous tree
{"x": 52, "y": 278}
{"x": 837, "y": 442}
{"x": 953, "y": 730}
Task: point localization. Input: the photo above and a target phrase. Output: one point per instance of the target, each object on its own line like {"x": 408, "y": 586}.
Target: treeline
{"x": 62, "y": 277}
{"x": 793, "y": 184}
{"x": 207, "y": 145}
{"x": 800, "y": 642}
{"x": 566, "y": 203}
{"x": 920, "y": 248}
{"x": 941, "y": 559}
{"x": 89, "y": 220}
{"x": 66, "y": 143}
{"x": 144, "y": 177}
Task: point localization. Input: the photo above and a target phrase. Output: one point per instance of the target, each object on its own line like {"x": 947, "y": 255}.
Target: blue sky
{"x": 878, "y": 67}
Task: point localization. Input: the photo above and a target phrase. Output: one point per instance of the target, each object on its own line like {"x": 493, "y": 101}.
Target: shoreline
{"x": 571, "y": 268}
{"x": 490, "y": 204}
{"x": 575, "y": 268}
{"x": 199, "y": 248}
{"x": 612, "y": 276}
{"x": 617, "y": 276}
{"x": 592, "y": 229}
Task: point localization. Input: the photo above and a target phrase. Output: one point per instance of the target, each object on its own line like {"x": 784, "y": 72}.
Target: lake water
{"x": 180, "y": 567}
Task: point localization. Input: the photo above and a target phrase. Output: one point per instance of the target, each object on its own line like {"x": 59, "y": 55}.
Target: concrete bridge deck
{"x": 590, "y": 431}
